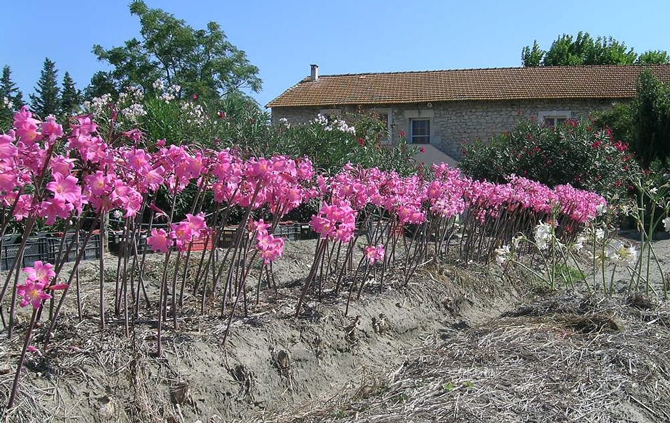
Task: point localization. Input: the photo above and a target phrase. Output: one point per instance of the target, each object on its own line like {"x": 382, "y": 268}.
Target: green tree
{"x": 651, "y": 112}
{"x": 583, "y": 49}
{"x": 200, "y": 61}
{"x": 10, "y": 98}
{"x": 101, "y": 83}
{"x": 46, "y": 100}
{"x": 9, "y": 89}
{"x": 644, "y": 123}
{"x": 70, "y": 98}
{"x": 653, "y": 57}
{"x": 531, "y": 57}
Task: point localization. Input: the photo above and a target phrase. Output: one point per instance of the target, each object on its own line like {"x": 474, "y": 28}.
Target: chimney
{"x": 315, "y": 73}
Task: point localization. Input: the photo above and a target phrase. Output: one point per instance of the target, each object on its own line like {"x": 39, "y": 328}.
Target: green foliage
{"x": 583, "y": 49}
{"x": 532, "y": 56}
{"x": 46, "y": 100}
{"x": 200, "y": 61}
{"x": 653, "y": 57}
{"x": 101, "y": 83}
{"x": 330, "y": 149}
{"x": 71, "y": 98}
{"x": 11, "y": 97}
{"x": 644, "y": 122}
{"x": 574, "y": 153}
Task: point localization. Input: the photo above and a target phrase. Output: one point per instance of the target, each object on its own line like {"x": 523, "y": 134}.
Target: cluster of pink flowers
{"x": 270, "y": 248}
{"x": 33, "y": 290}
{"x": 337, "y": 221}
{"x": 88, "y": 171}
{"x": 374, "y": 254}
{"x": 181, "y": 234}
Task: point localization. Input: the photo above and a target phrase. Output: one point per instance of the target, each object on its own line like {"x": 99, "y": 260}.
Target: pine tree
{"x": 9, "y": 89}
{"x": 45, "y": 101}
{"x": 10, "y": 98}
{"x": 70, "y": 97}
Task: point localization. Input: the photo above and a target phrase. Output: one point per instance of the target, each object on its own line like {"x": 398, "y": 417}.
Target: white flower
{"x": 579, "y": 243}
{"x": 543, "y": 235}
{"x": 666, "y": 224}
{"x": 167, "y": 97}
{"x": 653, "y": 190}
{"x": 628, "y": 254}
{"x": 619, "y": 252}
{"x": 601, "y": 209}
{"x": 502, "y": 254}
{"x": 600, "y": 233}
{"x": 134, "y": 111}
{"x": 158, "y": 85}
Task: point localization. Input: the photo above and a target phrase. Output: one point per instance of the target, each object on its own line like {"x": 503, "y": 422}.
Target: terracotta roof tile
{"x": 468, "y": 84}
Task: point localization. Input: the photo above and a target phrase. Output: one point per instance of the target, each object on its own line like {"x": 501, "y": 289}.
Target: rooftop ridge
{"x": 634, "y": 65}
{"x": 504, "y": 83}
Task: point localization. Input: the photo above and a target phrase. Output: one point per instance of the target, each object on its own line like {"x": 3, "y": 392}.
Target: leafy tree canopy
{"x": 200, "y": 61}
{"x": 583, "y": 49}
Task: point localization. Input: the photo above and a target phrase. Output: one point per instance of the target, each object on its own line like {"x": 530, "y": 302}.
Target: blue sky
{"x": 282, "y": 38}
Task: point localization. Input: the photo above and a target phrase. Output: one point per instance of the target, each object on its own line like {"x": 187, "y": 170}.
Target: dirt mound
{"x": 568, "y": 358}
{"x": 273, "y": 364}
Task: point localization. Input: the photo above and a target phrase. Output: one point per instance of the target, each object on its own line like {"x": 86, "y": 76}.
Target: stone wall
{"x": 458, "y": 122}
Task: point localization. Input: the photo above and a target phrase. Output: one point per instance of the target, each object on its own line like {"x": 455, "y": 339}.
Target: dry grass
{"x": 561, "y": 360}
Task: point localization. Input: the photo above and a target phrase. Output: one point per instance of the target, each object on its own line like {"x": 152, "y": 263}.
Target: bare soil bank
{"x": 273, "y": 365}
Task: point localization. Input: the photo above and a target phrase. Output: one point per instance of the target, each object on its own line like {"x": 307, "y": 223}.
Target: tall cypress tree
{"x": 70, "y": 97}
{"x": 46, "y": 101}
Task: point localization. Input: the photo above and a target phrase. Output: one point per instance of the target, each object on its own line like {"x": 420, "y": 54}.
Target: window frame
{"x": 553, "y": 115}
{"x": 411, "y": 130}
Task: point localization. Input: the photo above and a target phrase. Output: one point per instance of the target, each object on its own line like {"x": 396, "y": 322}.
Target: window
{"x": 553, "y": 118}
{"x": 419, "y": 131}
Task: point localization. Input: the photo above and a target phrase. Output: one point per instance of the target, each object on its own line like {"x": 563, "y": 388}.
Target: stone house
{"x": 447, "y": 108}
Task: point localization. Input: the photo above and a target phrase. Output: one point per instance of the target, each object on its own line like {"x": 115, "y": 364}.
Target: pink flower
{"x": 259, "y": 226}
{"x": 270, "y": 248}
{"x": 374, "y": 254}
{"x": 40, "y": 272}
{"x": 134, "y": 134}
{"x": 57, "y": 208}
{"x": 159, "y": 241}
{"x": 7, "y": 147}
{"x": 52, "y": 129}
{"x": 32, "y": 292}
{"x": 65, "y": 187}
{"x": 197, "y": 222}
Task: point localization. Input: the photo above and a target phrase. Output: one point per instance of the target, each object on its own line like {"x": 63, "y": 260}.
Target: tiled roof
{"x": 468, "y": 84}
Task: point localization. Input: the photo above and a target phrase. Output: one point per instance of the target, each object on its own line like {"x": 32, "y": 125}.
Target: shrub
{"x": 574, "y": 153}
{"x": 644, "y": 123}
